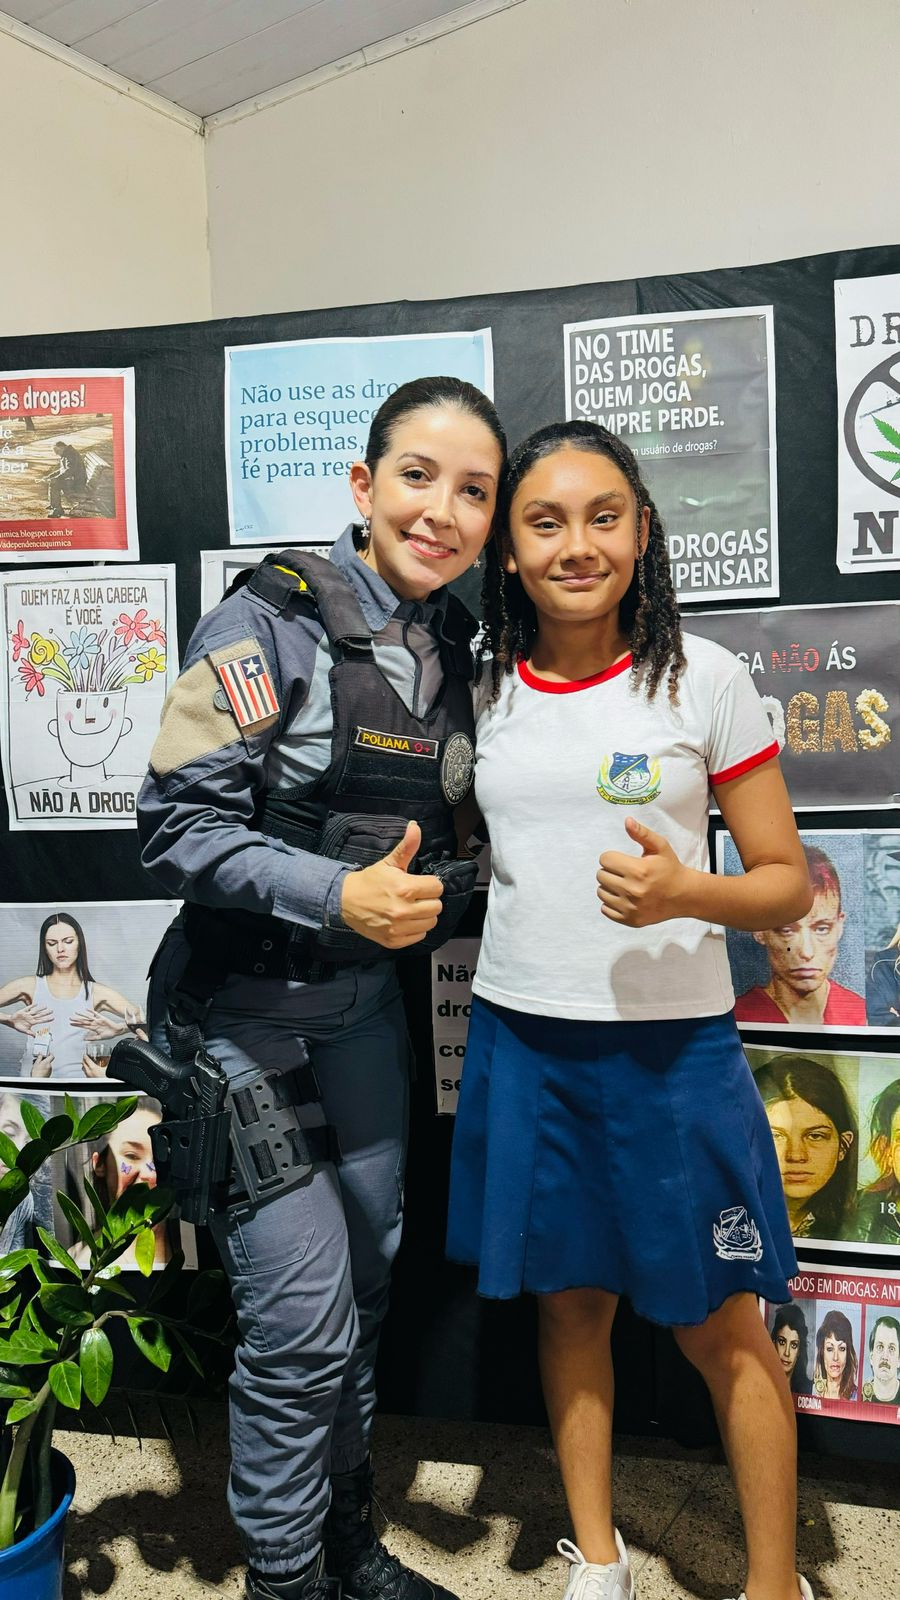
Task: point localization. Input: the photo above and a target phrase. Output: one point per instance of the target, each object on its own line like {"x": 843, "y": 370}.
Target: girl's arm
{"x": 774, "y": 889}
{"x": 24, "y": 1021}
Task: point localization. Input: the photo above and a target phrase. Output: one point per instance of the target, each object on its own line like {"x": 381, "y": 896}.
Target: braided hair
{"x": 648, "y": 611}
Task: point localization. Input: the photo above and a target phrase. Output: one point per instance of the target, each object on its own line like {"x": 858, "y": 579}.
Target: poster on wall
{"x": 111, "y": 1164}
{"x": 838, "y": 1341}
{"x": 67, "y": 465}
{"x": 867, "y": 343}
{"x": 90, "y": 657}
{"x": 693, "y": 394}
{"x": 452, "y": 971}
{"x": 836, "y": 969}
{"x": 829, "y": 677}
{"x": 835, "y": 1120}
{"x": 73, "y": 981}
{"x": 219, "y": 568}
{"x": 297, "y": 416}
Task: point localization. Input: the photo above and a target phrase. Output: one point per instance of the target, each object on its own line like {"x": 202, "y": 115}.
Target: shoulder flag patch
{"x": 247, "y": 684}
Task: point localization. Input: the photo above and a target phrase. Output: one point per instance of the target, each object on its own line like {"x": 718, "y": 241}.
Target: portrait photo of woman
{"x": 837, "y": 1363}
{"x": 814, "y": 1128}
{"x": 111, "y": 1165}
{"x": 878, "y": 1204}
{"x": 790, "y": 1336}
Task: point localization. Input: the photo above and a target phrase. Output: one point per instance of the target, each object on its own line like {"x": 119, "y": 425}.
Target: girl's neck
{"x": 63, "y": 983}
{"x": 575, "y": 650}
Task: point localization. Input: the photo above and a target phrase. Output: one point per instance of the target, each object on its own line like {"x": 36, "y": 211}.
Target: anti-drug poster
{"x": 867, "y": 342}
{"x": 835, "y": 1121}
{"x": 89, "y": 657}
{"x": 693, "y": 394}
{"x": 838, "y": 1341}
{"x": 219, "y": 568}
{"x": 452, "y": 971}
{"x": 297, "y": 416}
{"x": 829, "y": 677}
{"x": 67, "y": 465}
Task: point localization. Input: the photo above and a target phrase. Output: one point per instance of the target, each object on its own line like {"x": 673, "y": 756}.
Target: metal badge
{"x": 457, "y": 767}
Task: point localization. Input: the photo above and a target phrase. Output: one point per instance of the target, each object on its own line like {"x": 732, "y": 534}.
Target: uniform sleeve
{"x": 740, "y": 736}
{"x": 197, "y": 807}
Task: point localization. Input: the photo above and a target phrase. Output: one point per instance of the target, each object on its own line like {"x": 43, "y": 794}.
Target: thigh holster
{"x": 271, "y": 1151}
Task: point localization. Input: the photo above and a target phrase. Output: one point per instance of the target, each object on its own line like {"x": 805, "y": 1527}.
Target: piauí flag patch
{"x": 251, "y": 693}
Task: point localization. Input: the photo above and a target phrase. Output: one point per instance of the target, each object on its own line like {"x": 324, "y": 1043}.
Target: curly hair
{"x": 648, "y": 611}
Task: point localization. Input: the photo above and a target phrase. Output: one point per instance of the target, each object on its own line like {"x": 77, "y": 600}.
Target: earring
{"x": 477, "y": 562}
{"x": 367, "y": 532}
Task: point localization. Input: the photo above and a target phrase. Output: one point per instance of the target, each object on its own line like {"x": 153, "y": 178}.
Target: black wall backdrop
{"x": 444, "y": 1353}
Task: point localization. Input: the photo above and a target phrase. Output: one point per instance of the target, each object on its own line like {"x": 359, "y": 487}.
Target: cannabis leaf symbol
{"x": 893, "y": 437}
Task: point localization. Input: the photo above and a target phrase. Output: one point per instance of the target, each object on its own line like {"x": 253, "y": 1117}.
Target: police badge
{"x": 457, "y": 767}
{"x": 627, "y": 780}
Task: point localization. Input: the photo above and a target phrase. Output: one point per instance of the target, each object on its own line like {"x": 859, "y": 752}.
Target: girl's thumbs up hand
{"x": 641, "y": 890}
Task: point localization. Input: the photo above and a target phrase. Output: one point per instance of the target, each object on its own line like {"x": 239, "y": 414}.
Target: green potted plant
{"x": 55, "y": 1325}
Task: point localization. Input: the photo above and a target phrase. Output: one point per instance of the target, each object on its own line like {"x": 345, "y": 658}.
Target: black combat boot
{"x": 308, "y": 1584}
{"x": 355, "y": 1554}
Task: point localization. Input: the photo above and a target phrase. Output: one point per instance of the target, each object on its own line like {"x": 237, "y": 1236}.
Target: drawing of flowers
{"x": 20, "y": 641}
{"x": 42, "y": 650}
{"x": 136, "y": 627}
{"x": 148, "y": 662}
{"x": 82, "y": 645}
{"x": 94, "y": 661}
{"x": 33, "y": 679}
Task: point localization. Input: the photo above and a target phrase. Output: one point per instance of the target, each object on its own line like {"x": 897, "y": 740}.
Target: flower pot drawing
{"x": 88, "y": 725}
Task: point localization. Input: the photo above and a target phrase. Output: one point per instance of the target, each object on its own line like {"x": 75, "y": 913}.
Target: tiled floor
{"x": 479, "y": 1508}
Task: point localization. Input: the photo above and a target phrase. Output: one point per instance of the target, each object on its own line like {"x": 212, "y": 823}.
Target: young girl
{"x": 610, "y": 1139}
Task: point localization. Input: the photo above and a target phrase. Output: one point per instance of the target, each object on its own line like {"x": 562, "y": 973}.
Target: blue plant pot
{"x": 33, "y": 1570}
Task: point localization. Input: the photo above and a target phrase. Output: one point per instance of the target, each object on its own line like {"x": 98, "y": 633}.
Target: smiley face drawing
{"x": 88, "y": 726}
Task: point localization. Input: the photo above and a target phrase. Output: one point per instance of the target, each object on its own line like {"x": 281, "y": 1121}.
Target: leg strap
{"x": 271, "y": 1151}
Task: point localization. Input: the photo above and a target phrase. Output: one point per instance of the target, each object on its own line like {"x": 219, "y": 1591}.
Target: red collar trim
{"x": 546, "y": 687}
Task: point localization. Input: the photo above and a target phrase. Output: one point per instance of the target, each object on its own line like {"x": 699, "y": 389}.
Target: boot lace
{"x": 592, "y": 1582}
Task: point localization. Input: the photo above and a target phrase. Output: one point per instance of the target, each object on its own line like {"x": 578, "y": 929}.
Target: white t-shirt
{"x": 558, "y": 768}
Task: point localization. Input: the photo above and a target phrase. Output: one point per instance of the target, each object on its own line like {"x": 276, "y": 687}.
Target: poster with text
{"x": 219, "y": 568}
{"x": 111, "y": 1164}
{"x": 452, "y": 971}
{"x": 832, "y": 970}
{"x": 829, "y": 677}
{"x": 90, "y": 656}
{"x": 67, "y": 465}
{"x": 73, "y": 981}
{"x": 867, "y": 343}
{"x": 838, "y": 1341}
{"x": 693, "y": 394}
{"x": 297, "y": 416}
{"x": 835, "y": 1120}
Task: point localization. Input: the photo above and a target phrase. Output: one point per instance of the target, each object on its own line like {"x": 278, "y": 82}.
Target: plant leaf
{"x": 20, "y": 1409}
{"x": 70, "y": 1109}
{"x": 65, "y": 1381}
{"x": 33, "y": 1155}
{"x": 78, "y": 1221}
{"x": 165, "y": 1280}
{"x": 151, "y": 1341}
{"x": 60, "y": 1256}
{"x": 15, "y": 1261}
{"x": 99, "y": 1120}
{"x": 66, "y": 1303}
{"x": 206, "y": 1290}
{"x": 96, "y": 1361}
{"x": 57, "y": 1130}
{"x": 188, "y": 1352}
{"x": 13, "y": 1391}
{"x": 97, "y": 1203}
{"x": 891, "y": 434}
{"x": 9, "y": 1154}
{"x": 26, "y": 1350}
{"x": 139, "y": 1204}
{"x": 13, "y": 1186}
{"x": 145, "y": 1251}
{"x": 33, "y": 1119}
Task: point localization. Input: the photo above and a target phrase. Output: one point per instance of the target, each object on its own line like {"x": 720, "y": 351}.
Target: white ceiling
{"x": 208, "y": 55}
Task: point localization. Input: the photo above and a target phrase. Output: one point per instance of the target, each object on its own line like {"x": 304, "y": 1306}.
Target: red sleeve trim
{"x": 740, "y": 767}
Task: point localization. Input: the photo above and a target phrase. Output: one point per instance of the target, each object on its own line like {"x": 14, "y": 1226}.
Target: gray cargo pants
{"x": 310, "y": 1270}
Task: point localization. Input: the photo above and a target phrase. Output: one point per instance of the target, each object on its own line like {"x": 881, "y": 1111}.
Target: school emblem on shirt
{"x": 627, "y": 780}
{"x": 736, "y": 1236}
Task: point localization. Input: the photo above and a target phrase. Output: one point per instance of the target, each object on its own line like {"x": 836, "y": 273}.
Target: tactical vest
{"x": 386, "y": 767}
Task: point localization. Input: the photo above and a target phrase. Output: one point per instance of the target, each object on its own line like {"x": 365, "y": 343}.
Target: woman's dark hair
{"x": 801, "y": 1078}
{"x": 649, "y": 617}
{"x": 790, "y": 1316}
{"x": 881, "y": 1124}
{"x": 417, "y": 396}
{"x": 838, "y": 1326}
{"x": 100, "y": 1149}
{"x": 45, "y": 965}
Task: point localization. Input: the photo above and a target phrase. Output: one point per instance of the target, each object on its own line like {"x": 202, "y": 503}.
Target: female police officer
{"x": 300, "y": 800}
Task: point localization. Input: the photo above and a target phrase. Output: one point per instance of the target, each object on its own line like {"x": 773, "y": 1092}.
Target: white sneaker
{"x": 588, "y": 1580}
{"x": 805, "y": 1588}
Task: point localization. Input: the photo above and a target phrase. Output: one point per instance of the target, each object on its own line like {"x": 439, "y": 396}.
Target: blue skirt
{"x": 629, "y": 1156}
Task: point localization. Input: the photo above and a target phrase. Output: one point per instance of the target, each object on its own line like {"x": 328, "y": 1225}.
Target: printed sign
{"x": 90, "y": 657}
{"x": 67, "y": 465}
{"x": 693, "y": 394}
{"x": 838, "y": 1342}
{"x": 297, "y": 416}
{"x": 452, "y": 971}
{"x": 829, "y": 677}
{"x": 835, "y": 1120}
{"x": 867, "y": 341}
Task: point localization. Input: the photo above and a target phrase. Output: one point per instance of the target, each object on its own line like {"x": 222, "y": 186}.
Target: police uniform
{"x": 314, "y": 715}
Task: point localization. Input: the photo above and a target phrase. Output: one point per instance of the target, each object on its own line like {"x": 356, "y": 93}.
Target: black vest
{"x": 387, "y": 767}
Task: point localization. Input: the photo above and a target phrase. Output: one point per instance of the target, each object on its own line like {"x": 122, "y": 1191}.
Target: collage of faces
{"x": 838, "y": 1342}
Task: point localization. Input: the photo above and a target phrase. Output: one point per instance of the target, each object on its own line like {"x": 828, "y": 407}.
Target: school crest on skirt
{"x": 628, "y": 780}
{"x": 736, "y": 1235}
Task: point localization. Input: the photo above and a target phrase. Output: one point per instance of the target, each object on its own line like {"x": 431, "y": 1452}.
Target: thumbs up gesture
{"x": 641, "y": 890}
{"x": 386, "y": 903}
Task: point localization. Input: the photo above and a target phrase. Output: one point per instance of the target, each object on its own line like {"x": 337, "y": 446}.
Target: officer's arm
{"x": 198, "y": 803}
